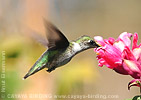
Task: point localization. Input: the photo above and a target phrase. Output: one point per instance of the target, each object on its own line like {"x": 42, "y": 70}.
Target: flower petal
{"x": 132, "y": 67}
{"x": 99, "y": 40}
{"x": 119, "y": 69}
{"x": 135, "y": 41}
{"x": 120, "y": 45}
{"x": 127, "y": 54}
{"x": 137, "y": 54}
{"x": 109, "y": 56}
{"x": 111, "y": 40}
{"x": 125, "y": 38}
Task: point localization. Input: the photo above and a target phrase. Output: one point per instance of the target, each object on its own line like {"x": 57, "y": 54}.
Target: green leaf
{"x": 138, "y": 97}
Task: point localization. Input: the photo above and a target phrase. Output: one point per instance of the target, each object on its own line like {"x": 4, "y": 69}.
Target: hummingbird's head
{"x": 87, "y": 42}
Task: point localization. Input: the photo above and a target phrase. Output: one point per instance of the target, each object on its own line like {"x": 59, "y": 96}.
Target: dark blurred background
{"x": 107, "y": 18}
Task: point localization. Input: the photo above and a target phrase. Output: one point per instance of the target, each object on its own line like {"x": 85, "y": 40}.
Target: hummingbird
{"x": 60, "y": 51}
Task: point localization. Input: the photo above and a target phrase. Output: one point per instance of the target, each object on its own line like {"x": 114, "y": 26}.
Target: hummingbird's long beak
{"x": 97, "y": 45}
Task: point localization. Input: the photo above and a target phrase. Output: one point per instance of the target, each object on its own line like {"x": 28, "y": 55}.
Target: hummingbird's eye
{"x": 91, "y": 42}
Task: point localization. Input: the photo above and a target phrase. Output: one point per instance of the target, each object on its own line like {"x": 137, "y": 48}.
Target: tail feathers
{"x": 26, "y": 76}
{"x": 33, "y": 71}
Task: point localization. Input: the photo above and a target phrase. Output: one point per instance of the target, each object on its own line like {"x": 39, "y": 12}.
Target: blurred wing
{"x": 40, "y": 39}
{"x": 56, "y": 39}
{"x": 36, "y": 36}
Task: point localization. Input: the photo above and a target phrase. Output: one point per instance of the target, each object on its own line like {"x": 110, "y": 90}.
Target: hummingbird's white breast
{"x": 66, "y": 56}
{"x": 76, "y": 47}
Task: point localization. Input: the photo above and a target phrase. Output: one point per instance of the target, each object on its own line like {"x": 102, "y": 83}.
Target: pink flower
{"x": 119, "y": 55}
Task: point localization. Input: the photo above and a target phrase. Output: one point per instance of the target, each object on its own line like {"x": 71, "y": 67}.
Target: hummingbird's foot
{"x": 51, "y": 69}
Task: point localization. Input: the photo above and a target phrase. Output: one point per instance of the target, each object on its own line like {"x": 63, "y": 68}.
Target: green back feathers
{"x": 83, "y": 38}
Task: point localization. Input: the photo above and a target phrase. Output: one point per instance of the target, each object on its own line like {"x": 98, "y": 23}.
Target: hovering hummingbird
{"x": 60, "y": 51}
